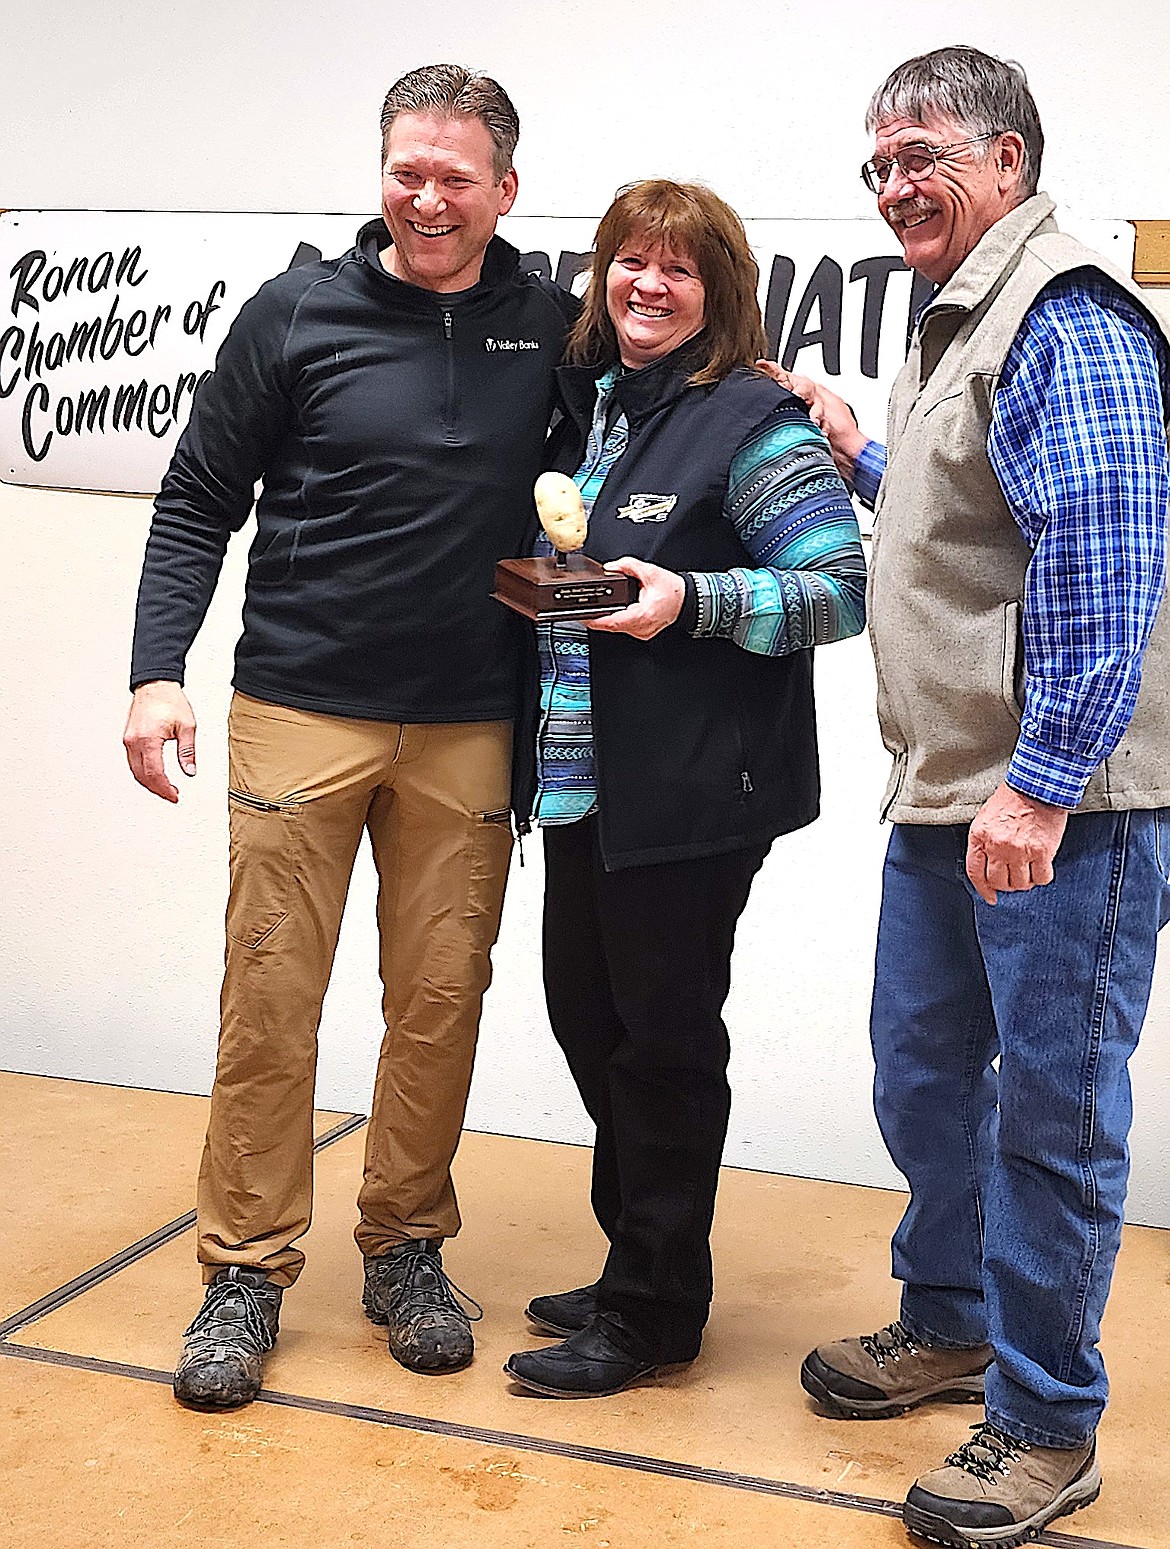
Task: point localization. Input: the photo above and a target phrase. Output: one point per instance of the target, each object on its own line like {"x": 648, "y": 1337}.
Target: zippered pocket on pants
{"x": 259, "y": 804}
{"x": 265, "y": 840}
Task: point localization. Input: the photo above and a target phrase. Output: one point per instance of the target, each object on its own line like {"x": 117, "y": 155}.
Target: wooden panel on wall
{"x": 1151, "y": 254}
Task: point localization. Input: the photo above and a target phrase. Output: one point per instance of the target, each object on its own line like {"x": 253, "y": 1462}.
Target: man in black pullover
{"x": 393, "y": 403}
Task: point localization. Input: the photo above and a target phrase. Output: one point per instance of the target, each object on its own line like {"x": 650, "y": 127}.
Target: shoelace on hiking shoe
{"x": 425, "y": 1282}
{"x": 889, "y": 1343}
{"x": 213, "y": 1328}
{"x": 987, "y": 1453}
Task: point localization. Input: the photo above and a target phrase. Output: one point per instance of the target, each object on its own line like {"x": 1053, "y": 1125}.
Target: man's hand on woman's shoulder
{"x": 829, "y": 412}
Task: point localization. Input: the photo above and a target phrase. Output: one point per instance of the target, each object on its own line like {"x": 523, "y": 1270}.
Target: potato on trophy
{"x": 567, "y": 584}
{"x": 561, "y": 511}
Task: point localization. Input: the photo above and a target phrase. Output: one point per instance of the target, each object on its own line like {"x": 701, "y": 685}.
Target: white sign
{"x": 109, "y": 320}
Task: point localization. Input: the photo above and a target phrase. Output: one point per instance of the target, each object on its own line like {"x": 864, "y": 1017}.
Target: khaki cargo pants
{"x": 303, "y": 787}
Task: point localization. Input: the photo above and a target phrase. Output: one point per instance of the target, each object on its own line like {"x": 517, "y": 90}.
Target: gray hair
{"x": 982, "y": 94}
{"x": 450, "y": 91}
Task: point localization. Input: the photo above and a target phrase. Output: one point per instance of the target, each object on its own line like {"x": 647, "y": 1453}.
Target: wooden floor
{"x": 97, "y": 1282}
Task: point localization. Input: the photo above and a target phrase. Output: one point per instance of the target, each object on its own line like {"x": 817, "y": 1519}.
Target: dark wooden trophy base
{"x": 541, "y": 589}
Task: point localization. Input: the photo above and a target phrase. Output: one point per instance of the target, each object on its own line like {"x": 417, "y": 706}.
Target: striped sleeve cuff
{"x": 1045, "y": 774}
{"x": 714, "y": 595}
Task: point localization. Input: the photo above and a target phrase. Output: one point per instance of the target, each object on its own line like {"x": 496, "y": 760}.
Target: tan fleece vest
{"x": 946, "y": 581}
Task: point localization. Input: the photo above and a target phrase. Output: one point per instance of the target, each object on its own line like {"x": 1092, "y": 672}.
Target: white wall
{"x": 110, "y": 916}
{"x": 272, "y": 104}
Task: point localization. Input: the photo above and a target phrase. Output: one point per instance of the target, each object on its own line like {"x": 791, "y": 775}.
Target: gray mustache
{"x": 910, "y": 207}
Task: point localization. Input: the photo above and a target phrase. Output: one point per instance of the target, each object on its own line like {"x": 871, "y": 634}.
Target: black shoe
{"x": 225, "y": 1346}
{"x": 565, "y": 1312}
{"x": 409, "y": 1290}
{"x": 602, "y": 1358}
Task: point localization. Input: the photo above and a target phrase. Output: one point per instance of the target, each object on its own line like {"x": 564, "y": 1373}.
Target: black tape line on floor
{"x": 86, "y": 1281}
{"x": 693, "y": 1473}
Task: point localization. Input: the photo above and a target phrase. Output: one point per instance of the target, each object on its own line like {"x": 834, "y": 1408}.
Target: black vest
{"x": 701, "y": 747}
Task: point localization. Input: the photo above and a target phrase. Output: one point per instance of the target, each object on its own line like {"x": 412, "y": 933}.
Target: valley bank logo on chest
{"x": 496, "y": 346}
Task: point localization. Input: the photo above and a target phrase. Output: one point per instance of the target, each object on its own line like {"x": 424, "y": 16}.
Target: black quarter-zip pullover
{"x": 397, "y": 433}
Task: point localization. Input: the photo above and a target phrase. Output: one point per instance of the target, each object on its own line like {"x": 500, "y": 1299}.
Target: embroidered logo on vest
{"x": 648, "y": 508}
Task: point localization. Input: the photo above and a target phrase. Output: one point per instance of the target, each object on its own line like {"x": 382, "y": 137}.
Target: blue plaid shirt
{"x": 1078, "y": 445}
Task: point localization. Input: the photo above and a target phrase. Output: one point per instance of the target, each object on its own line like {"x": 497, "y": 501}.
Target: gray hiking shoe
{"x": 225, "y": 1345}
{"x": 409, "y": 1290}
{"x": 887, "y": 1373}
{"x": 1001, "y": 1492}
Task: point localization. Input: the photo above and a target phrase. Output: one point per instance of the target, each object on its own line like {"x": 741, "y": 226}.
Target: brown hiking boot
{"x": 1001, "y": 1492}
{"x": 887, "y": 1373}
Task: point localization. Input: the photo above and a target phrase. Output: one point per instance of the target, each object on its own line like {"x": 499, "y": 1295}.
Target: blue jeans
{"x": 1017, "y": 1176}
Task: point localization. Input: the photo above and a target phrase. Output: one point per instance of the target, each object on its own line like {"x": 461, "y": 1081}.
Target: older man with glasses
{"x": 1024, "y": 688}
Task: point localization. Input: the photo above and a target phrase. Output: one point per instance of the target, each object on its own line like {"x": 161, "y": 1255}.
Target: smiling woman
{"x": 672, "y": 259}
{"x": 655, "y": 300}
{"x": 676, "y": 741}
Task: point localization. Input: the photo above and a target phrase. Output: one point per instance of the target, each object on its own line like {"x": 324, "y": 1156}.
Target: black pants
{"x": 637, "y": 966}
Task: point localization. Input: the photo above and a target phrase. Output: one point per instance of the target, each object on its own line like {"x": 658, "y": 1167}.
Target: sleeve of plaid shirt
{"x": 869, "y": 472}
{"x": 1078, "y": 445}
{"x": 793, "y": 515}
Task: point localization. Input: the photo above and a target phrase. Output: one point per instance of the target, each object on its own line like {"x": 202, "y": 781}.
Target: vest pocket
{"x": 264, "y": 837}
{"x": 743, "y": 778}
{"x": 1012, "y": 660}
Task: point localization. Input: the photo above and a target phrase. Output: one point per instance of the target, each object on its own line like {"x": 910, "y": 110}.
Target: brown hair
{"x": 450, "y": 91}
{"x": 692, "y": 221}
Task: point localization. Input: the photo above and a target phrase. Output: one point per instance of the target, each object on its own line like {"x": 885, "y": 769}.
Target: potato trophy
{"x": 569, "y": 585}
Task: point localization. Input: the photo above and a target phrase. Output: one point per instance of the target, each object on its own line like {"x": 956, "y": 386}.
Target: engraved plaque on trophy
{"x": 567, "y": 584}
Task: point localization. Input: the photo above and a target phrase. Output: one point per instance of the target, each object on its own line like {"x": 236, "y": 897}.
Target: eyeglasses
{"x": 913, "y": 161}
